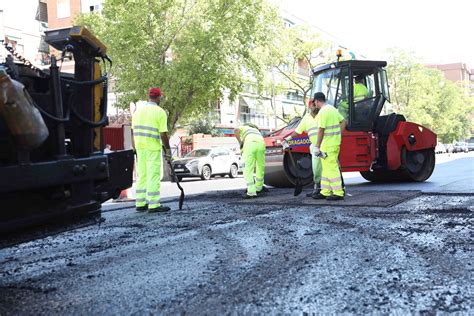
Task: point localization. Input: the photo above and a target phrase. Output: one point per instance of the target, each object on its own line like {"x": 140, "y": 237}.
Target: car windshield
{"x": 198, "y": 153}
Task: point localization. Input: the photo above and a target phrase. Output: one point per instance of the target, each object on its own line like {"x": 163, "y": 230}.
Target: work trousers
{"x": 254, "y": 162}
{"x": 331, "y": 179}
{"x": 149, "y": 175}
{"x": 317, "y": 168}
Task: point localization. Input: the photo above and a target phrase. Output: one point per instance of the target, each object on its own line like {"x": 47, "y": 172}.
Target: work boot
{"x": 263, "y": 190}
{"x": 246, "y": 196}
{"x": 334, "y": 198}
{"x": 141, "y": 208}
{"x": 319, "y": 196}
{"x": 315, "y": 192}
{"x": 159, "y": 209}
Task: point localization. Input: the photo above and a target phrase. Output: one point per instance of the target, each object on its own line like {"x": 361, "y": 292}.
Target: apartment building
{"x": 21, "y": 27}
{"x": 61, "y": 13}
{"x": 457, "y": 72}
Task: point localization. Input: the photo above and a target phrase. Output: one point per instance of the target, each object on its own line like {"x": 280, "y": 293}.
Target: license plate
{"x": 179, "y": 170}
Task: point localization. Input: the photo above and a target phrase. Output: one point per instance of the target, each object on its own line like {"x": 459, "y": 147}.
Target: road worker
{"x": 150, "y": 133}
{"x": 331, "y": 125}
{"x": 360, "y": 92}
{"x": 310, "y": 124}
{"x": 253, "y": 152}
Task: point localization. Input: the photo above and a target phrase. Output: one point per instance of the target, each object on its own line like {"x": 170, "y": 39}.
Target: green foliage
{"x": 293, "y": 54}
{"x": 203, "y": 126}
{"x": 425, "y": 97}
{"x": 192, "y": 49}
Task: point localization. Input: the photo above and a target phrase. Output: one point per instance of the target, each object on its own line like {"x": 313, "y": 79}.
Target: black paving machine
{"x": 52, "y": 161}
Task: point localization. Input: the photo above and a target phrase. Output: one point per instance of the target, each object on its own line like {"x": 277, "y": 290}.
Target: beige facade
{"x": 457, "y": 72}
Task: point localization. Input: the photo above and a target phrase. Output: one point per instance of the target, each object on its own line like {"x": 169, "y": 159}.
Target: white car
{"x": 206, "y": 163}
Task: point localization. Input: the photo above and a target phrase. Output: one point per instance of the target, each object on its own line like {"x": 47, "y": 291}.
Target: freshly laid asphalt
{"x": 377, "y": 252}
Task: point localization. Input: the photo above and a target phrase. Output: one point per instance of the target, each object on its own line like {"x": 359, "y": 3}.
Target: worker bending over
{"x": 252, "y": 147}
{"x": 310, "y": 124}
{"x": 331, "y": 125}
{"x": 150, "y": 127}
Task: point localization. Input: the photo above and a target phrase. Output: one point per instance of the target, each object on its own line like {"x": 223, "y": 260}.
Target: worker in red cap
{"x": 150, "y": 133}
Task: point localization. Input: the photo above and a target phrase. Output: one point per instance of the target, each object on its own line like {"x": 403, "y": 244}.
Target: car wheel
{"x": 206, "y": 172}
{"x": 233, "y": 171}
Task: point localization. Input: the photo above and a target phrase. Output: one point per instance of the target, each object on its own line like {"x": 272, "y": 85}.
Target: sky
{"x": 436, "y": 31}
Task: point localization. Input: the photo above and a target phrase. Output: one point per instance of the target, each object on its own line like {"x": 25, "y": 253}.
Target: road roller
{"x": 378, "y": 143}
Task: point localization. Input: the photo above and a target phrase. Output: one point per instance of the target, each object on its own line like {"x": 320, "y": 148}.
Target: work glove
{"x": 285, "y": 144}
{"x": 167, "y": 154}
{"x": 317, "y": 151}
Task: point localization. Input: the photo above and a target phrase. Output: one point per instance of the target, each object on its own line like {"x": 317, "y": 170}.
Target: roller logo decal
{"x": 299, "y": 142}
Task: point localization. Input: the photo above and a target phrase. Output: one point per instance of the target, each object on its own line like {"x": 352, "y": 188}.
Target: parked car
{"x": 470, "y": 146}
{"x": 460, "y": 147}
{"x": 206, "y": 163}
{"x": 450, "y": 148}
{"x": 440, "y": 148}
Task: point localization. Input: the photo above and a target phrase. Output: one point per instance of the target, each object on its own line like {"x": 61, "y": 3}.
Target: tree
{"x": 294, "y": 53}
{"x": 203, "y": 125}
{"x": 425, "y": 97}
{"x": 192, "y": 49}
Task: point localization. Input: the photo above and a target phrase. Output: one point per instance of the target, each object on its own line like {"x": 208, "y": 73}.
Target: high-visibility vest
{"x": 148, "y": 122}
{"x": 329, "y": 119}
{"x": 360, "y": 92}
{"x": 309, "y": 124}
{"x": 249, "y": 134}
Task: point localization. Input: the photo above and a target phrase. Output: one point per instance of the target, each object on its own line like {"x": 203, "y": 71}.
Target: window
{"x": 335, "y": 86}
{"x": 42, "y": 12}
{"x": 294, "y": 95}
{"x": 94, "y": 8}
{"x": 384, "y": 84}
{"x": 220, "y": 152}
{"x": 63, "y": 9}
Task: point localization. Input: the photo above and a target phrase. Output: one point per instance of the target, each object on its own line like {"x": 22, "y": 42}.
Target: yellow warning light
{"x": 339, "y": 53}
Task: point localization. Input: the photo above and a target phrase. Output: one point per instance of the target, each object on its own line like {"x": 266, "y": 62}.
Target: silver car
{"x": 206, "y": 163}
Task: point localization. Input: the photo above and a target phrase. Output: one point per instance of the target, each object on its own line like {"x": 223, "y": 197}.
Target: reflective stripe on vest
{"x": 313, "y": 131}
{"x": 330, "y": 130}
{"x": 146, "y": 131}
{"x": 248, "y": 131}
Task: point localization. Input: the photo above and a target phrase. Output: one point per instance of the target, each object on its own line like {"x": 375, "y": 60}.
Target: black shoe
{"x": 159, "y": 209}
{"x": 314, "y": 193}
{"x": 319, "y": 196}
{"x": 246, "y": 196}
{"x": 263, "y": 190}
{"x": 334, "y": 198}
{"x": 141, "y": 208}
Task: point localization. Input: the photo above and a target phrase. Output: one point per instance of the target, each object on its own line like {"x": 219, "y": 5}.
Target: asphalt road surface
{"x": 453, "y": 173}
{"x": 384, "y": 249}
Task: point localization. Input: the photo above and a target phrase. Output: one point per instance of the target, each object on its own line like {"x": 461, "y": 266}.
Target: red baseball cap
{"x": 154, "y": 92}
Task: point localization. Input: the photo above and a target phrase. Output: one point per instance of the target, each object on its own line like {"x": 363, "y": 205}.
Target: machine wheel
{"x": 418, "y": 165}
{"x": 302, "y": 170}
{"x": 206, "y": 172}
{"x": 234, "y": 170}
